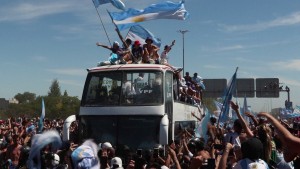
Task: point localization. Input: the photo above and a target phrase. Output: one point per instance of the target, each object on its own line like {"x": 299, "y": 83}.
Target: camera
{"x": 103, "y": 160}
{"x": 209, "y": 164}
{"x": 155, "y": 153}
{"x": 139, "y": 152}
{"x": 218, "y": 146}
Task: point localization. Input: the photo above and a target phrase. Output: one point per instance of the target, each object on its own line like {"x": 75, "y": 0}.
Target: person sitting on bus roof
{"x": 114, "y": 56}
{"x": 137, "y": 52}
{"x": 150, "y": 52}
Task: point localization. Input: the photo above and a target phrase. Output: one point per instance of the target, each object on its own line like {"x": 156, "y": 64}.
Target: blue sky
{"x": 46, "y": 40}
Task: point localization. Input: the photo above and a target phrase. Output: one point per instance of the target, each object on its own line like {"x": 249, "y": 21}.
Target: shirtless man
{"x": 150, "y": 52}
{"x": 14, "y": 150}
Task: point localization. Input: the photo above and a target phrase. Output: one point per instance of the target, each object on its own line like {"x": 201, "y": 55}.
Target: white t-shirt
{"x": 163, "y": 58}
{"x": 139, "y": 84}
{"x": 249, "y": 164}
{"x": 128, "y": 89}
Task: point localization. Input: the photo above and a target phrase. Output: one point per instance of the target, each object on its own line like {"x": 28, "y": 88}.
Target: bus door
{"x": 168, "y": 94}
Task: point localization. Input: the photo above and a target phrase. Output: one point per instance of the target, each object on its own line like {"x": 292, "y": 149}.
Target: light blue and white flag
{"x": 85, "y": 156}
{"x": 139, "y": 33}
{"x": 201, "y": 129}
{"x": 227, "y": 96}
{"x": 41, "y": 122}
{"x": 286, "y": 113}
{"x": 117, "y": 3}
{"x": 218, "y": 108}
{"x": 297, "y": 110}
{"x": 39, "y": 141}
{"x": 245, "y": 109}
{"x": 164, "y": 10}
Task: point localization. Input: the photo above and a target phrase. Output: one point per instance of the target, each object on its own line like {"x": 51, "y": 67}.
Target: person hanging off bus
{"x": 164, "y": 54}
{"x": 199, "y": 85}
{"x": 137, "y": 52}
{"x": 114, "y": 58}
{"x": 150, "y": 52}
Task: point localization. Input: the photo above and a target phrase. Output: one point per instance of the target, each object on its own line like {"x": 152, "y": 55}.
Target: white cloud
{"x": 229, "y": 48}
{"x": 31, "y": 11}
{"x": 287, "y": 65}
{"x": 288, "y": 20}
{"x": 212, "y": 66}
{"x": 289, "y": 82}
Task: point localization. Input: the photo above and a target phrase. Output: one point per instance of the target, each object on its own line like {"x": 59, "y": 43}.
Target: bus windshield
{"x": 117, "y": 88}
{"x": 132, "y": 131}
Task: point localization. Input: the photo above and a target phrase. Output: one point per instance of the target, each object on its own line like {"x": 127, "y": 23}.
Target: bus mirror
{"x": 163, "y": 130}
{"x": 66, "y": 127}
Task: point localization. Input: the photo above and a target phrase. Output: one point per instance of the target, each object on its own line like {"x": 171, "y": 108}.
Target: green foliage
{"x": 54, "y": 89}
{"x": 56, "y": 105}
{"x": 26, "y": 97}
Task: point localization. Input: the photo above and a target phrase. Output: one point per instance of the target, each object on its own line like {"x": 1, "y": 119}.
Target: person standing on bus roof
{"x": 164, "y": 54}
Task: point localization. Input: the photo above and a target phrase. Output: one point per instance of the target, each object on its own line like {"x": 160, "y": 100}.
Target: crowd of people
{"x": 191, "y": 89}
{"x": 136, "y": 52}
{"x": 265, "y": 142}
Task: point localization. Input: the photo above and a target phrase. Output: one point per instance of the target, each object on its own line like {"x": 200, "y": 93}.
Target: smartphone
{"x": 155, "y": 153}
{"x": 211, "y": 163}
{"x": 231, "y": 154}
{"x": 139, "y": 152}
{"x": 218, "y": 146}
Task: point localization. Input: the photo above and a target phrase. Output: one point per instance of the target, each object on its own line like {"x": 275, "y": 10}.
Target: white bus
{"x": 134, "y": 105}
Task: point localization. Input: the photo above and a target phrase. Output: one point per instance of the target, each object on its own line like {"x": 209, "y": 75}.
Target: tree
{"x": 26, "y": 97}
{"x": 66, "y": 93}
{"x": 54, "y": 90}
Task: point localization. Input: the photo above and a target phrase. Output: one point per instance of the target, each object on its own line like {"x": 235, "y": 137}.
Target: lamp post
{"x": 183, "y": 32}
{"x": 288, "y": 103}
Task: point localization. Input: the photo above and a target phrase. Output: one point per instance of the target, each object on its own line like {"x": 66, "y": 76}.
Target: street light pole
{"x": 183, "y": 32}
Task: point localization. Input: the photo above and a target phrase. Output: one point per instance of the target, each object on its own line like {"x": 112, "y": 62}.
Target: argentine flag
{"x": 139, "y": 33}
{"x": 117, "y": 3}
{"x": 41, "y": 122}
{"x": 165, "y": 10}
{"x": 231, "y": 87}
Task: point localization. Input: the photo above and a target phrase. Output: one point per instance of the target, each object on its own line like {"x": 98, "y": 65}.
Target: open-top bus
{"x": 134, "y": 105}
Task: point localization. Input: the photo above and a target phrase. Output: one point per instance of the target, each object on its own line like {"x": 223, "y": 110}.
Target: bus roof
{"x": 130, "y": 67}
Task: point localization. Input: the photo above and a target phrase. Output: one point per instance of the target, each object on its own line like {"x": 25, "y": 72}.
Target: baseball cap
{"x": 137, "y": 42}
{"x": 116, "y": 163}
{"x": 116, "y": 43}
{"x": 106, "y": 145}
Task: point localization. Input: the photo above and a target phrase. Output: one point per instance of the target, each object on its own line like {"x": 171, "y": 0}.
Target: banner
{"x": 164, "y": 10}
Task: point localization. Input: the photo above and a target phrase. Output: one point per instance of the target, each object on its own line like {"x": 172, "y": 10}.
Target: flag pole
{"x": 102, "y": 24}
